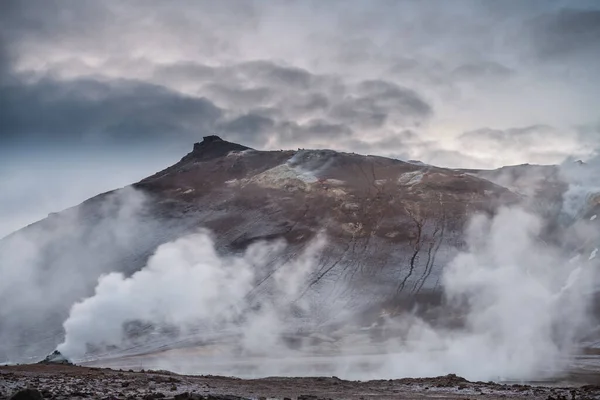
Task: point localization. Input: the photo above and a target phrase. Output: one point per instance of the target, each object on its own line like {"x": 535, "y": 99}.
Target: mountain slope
{"x": 391, "y": 226}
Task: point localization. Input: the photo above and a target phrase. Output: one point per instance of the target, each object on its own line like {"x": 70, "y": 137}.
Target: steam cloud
{"x": 188, "y": 286}
{"x": 52, "y": 264}
{"x": 526, "y": 304}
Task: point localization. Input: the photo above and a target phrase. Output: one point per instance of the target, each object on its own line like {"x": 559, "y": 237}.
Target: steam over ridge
{"x": 527, "y": 305}
{"x": 252, "y": 263}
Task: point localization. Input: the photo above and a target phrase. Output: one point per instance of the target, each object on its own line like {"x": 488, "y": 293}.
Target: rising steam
{"x": 187, "y": 287}
{"x": 525, "y": 304}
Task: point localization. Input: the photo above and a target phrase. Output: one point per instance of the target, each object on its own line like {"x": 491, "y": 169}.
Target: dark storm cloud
{"x": 262, "y": 73}
{"x": 89, "y": 110}
{"x": 566, "y": 32}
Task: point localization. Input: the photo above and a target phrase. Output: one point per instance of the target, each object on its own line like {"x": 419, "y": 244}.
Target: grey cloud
{"x": 289, "y": 74}
{"x": 259, "y": 83}
{"x": 566, "y": 32}
{"x": 309, "y": 103}
{"x": 261, "y": 72}
{"x": 185, "y": 72}
{"x": 258, "y": 72}
{"x": 273, "y": 74}
{"x": 239, "y": 97}
{"x": 114, "y": 28}
{"x": 410, "y": 145}
{"x": 361, "y": 112}
{"x": 322, "y": 127}
{"x": 292, "y": 132}
{"x": 97, "y": 111}
{"x": 255, "y": 129}
{"x": 447, "y": 75}
{"x": 259, "y": 93}
{"x": 541, "y": 144}
{"x": 522, "y": 136}
{"x": 401, "y": 145}
{"x": 375, "y": 101}
{"x": 452, "y": 159}
{"x": 484, "y": 69}
{"x": 252, "y": 128}
{"x": 406, "y": 100}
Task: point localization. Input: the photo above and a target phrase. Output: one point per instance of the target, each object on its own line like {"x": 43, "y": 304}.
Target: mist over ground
{"x": 528, "y": 305}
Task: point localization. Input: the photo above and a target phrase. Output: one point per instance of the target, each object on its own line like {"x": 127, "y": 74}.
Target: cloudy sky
{"x": 97, "y": 94}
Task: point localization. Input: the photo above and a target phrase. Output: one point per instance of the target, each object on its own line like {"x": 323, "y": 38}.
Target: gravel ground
{"x": 73, "y": 382}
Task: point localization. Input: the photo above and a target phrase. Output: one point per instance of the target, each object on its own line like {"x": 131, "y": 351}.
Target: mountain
{"x": 391, "y": 227}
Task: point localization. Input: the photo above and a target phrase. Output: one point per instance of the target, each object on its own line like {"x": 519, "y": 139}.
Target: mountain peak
{"x": 213, "y": 146}
{"x": 207, "y": 140}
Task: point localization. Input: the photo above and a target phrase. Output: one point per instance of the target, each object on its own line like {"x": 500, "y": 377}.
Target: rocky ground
{"x": 71, "y": 382}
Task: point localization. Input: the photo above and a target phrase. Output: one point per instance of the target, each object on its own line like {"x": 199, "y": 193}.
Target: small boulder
{"x": 27, "y": 394}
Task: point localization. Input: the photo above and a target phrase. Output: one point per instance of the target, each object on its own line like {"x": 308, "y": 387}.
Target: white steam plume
{"x": 187, "y": 285}
{"x": 47, "y": 266}
{"x": 525, "y": 305}
{"x": 584, "y": 184}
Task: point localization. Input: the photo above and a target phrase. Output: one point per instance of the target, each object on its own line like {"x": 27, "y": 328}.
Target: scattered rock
{"x": 450, "y": 380}
{"x": 153, "y": 396}
{"x": 307, "y": 397}
{"x": 27, "y": 394}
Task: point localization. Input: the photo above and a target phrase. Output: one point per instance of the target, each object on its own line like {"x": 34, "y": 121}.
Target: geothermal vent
{"x": 55, "y": 358}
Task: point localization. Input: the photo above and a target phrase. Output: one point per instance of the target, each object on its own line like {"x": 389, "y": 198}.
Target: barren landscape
{"x": 70, "y": 382}
{"x": 353, "y": 280}
{"x": 299, "y": 200}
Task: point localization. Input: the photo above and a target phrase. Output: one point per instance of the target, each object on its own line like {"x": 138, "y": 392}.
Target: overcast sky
{"x": 97, "y": 94}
